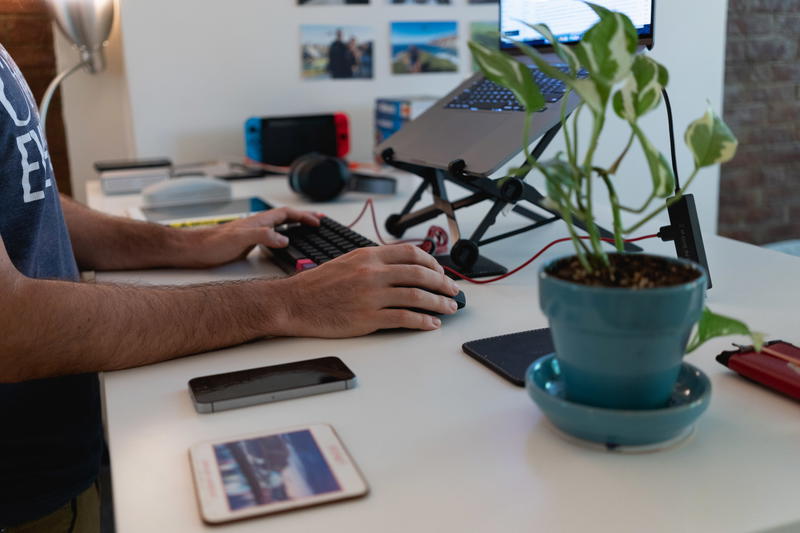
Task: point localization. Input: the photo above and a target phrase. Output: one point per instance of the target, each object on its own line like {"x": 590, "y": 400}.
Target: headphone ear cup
{"x": 318, "y": 177}
{"x": 296, "y": 169}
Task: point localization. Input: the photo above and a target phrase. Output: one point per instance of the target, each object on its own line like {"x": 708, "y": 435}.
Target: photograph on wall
{"x": 336, "y": 52}
{"x": 418, "y": 2}
{"x": 484, "y": 32}
{"x": 420, "y": 47}
{"x": 331, "y": 2}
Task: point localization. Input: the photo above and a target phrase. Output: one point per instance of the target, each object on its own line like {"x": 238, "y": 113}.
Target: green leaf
{"x": 660, "y": 169}
{"x": 641, "y": 92}
{"x": 559, "y": 179}
{"x": 710, "y": 140}
{"x": 607, "y": 50}
{"x": 712, "y": 325}
{"x": 514, "y": 75}
{"x": 566, "y": 55}
{"x": 595, "y": 95}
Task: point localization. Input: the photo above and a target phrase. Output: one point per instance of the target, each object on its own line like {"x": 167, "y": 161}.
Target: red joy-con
{"x": 342, "y": 127}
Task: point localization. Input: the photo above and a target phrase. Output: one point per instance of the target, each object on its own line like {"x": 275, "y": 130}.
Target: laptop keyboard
{"x": 311, "y": 246}
{"x": 485, "y": 95}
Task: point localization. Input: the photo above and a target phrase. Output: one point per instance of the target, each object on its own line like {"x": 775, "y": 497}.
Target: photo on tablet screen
{"x": 277, "y": 468}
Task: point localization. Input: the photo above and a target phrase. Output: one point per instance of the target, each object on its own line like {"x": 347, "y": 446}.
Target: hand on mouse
{"x": 366, "y": 290}
{"x": 233, "y": 240}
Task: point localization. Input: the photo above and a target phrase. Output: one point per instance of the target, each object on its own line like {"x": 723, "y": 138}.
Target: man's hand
{"x": 221, "y": 244}
{"x": 366, "y": 290}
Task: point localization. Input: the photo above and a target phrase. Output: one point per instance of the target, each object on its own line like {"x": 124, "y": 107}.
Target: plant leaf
{"x": 710, "y": 140}
{"x": 660, "y": 169}
{"x": 712, "y": 325}
{"x": 608, "y": 48}
{"x": 595, "y": 95}
{"x": 567, "y": 55}
{"x": 559, "y": 179}
{"x": 641, "y": 92}
{"x": 514, "y": 75}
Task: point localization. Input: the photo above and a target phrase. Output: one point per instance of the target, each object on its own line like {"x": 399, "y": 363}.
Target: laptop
{"x": 480, "y": 122}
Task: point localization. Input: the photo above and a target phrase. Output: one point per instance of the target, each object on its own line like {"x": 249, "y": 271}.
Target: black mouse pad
{"x": 511, "y": 355}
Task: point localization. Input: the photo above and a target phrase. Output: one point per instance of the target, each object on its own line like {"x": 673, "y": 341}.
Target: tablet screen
{"x": 211, "y": 212}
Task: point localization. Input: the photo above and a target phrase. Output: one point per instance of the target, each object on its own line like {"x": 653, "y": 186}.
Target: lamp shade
{"x": 87, "y": 23}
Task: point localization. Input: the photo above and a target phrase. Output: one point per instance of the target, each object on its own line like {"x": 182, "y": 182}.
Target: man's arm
{"x": 105, "y": 242}
{"x": 52, "y": 328}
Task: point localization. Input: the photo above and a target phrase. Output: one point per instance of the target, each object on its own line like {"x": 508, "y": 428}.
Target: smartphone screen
{"x": 270, "y": 383}
{"x": 261, "y": 474}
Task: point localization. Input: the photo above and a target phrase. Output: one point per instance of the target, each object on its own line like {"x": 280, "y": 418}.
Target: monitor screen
{"x": 567, "y": 19}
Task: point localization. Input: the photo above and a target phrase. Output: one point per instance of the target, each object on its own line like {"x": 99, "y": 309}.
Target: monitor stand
{"x": 465, "y": 254}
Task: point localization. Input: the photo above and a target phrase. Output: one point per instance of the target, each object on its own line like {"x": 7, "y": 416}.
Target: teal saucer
{"x": 620, "y": 429}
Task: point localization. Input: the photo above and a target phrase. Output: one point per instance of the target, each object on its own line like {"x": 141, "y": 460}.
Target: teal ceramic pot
{"x": 620, "y": 348}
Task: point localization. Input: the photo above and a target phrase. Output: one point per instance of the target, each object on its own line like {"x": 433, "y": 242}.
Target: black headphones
{"x": 322, "y": 178}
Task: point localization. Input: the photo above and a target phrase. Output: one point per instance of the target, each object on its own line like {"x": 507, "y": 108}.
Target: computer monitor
{"x": 567, "y": 19}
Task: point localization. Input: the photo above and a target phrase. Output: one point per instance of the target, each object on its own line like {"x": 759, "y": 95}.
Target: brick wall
{"x": 760, "y": 188}
{"x": 26, "y": 32}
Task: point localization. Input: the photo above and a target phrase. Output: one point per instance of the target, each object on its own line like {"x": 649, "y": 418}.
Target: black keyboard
{"x": 486, "y": 95}
{"x": 311, "y": 246}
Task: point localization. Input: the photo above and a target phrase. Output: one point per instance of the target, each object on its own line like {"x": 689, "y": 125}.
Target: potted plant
{"x": 620, "y": 321}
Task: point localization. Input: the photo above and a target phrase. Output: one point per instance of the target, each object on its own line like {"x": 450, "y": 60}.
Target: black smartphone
{"x": 252, "y": 386}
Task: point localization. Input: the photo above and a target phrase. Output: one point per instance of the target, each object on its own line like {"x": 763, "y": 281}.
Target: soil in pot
{"x": 630, "y": 271}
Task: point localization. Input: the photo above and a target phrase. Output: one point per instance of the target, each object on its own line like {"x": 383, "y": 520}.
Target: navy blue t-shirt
{"x": 50, "y": 429}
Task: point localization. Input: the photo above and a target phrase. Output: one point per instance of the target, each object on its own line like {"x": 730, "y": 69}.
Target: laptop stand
{"x": 465, "y": 254}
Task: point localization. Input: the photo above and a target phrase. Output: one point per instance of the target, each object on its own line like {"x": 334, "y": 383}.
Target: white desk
{"x": 447, "y": 445}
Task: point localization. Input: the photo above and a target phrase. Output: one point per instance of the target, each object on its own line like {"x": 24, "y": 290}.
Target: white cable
{"x": 51, "y": 89}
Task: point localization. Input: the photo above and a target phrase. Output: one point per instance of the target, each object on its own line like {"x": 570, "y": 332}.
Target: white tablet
{"x": 266, "y": 473}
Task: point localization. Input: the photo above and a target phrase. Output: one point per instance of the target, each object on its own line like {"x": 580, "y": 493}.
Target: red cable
{"x": 371, "y": 206}
{"x": 532, "y": 259}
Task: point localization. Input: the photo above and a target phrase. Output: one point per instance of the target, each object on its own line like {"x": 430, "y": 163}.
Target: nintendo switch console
{"x": 280, "y": 140}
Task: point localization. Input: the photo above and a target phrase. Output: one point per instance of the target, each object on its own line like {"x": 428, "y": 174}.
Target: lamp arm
{"x": 51, "y": 89}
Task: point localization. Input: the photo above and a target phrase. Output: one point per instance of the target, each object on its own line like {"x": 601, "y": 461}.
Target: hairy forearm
{"x": 55, "y": 328}
{"x": 105, "y": 242}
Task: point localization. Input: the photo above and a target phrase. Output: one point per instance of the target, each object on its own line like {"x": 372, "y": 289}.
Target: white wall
{"x": 196, "y": 69}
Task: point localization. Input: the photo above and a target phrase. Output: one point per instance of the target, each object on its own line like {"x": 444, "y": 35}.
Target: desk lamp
{"x": 87, "y": 24}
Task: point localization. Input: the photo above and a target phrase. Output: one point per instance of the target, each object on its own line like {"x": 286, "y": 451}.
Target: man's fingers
{"x": 267, "y": 237}
{"x": 403, "y": 318}
{"x": 279, "y": 215}
{"x": 290, "y": 214}
{"x": 422, "y": 277}
{"x": 410, "y": 255}
{"x": 414, "y": 298}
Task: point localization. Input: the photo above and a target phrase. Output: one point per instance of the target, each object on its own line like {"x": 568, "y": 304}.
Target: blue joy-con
{"x": 252, "y": 138}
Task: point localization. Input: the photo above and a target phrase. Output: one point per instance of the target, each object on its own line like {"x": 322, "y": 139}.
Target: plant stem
{"x": 591, "y": 227}
{"x": 612, "y": 196}
{"x": 615, "y": 166}
{"x": 641, "y": 209}
{"x": 565, "y": 126}
{"x": 577, "y": 113}
{"x": 525, "y": 142}
{"x": 668, "y": 203}
{"x": 581, "y": 251}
